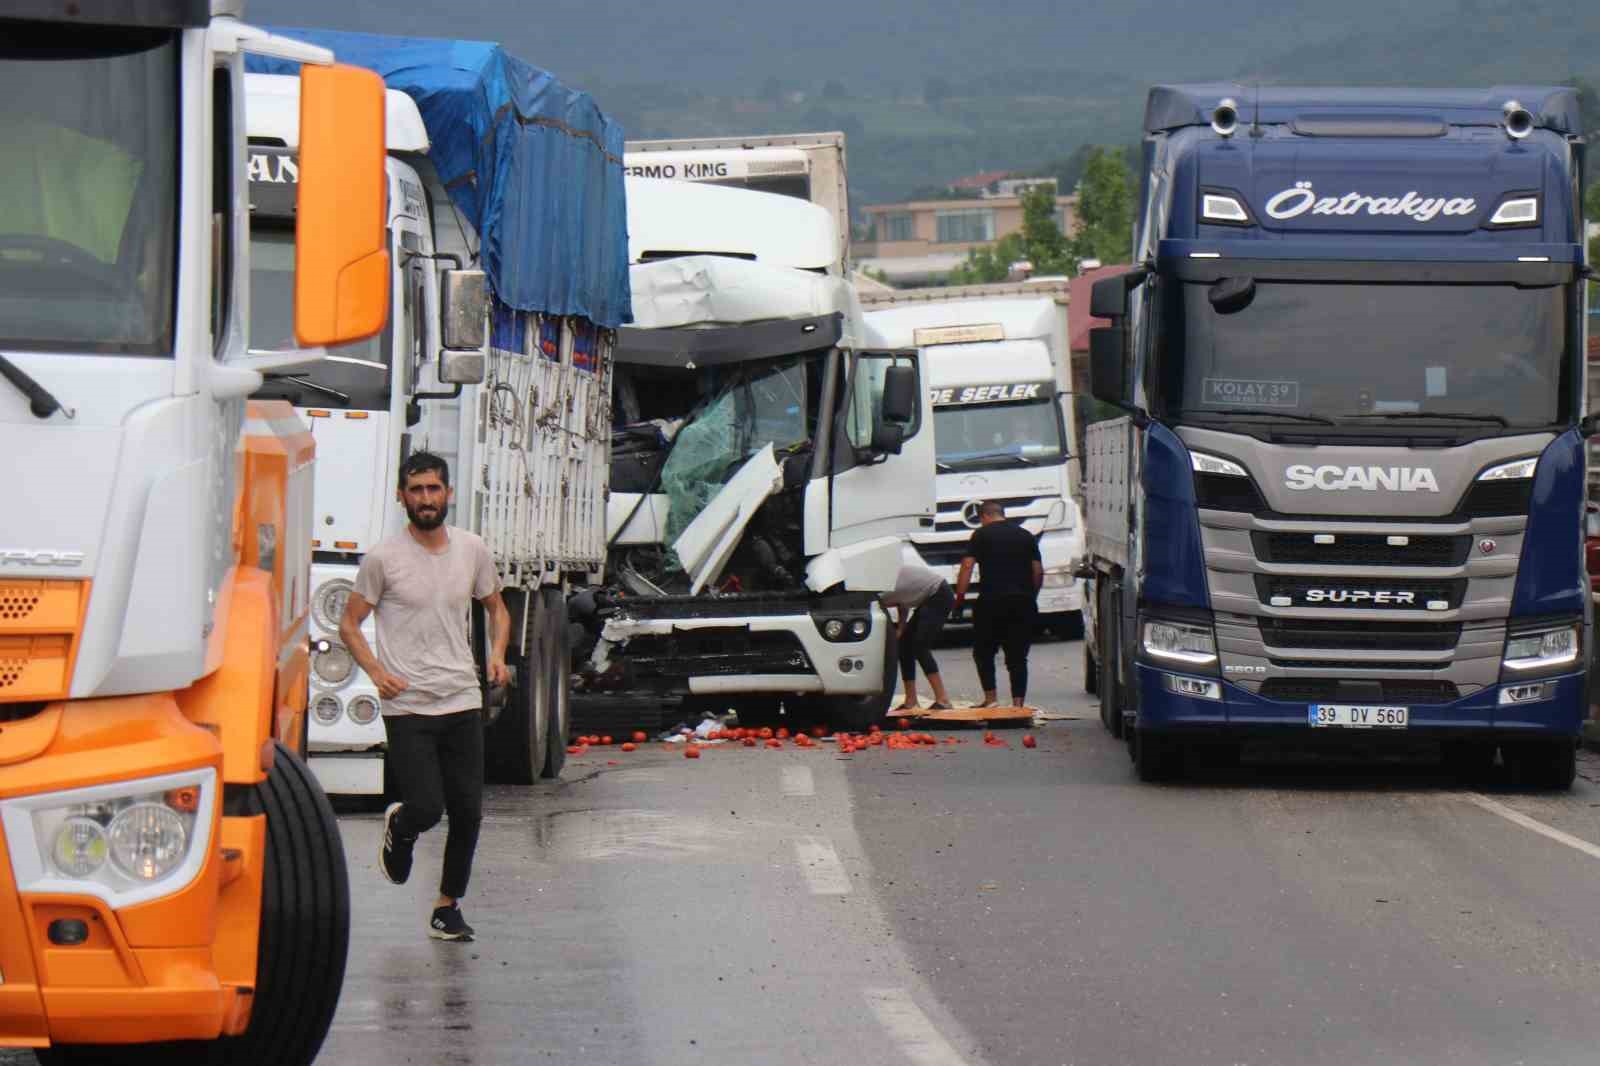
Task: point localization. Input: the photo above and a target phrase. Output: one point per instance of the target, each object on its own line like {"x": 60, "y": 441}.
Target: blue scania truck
{"x": 1346, "y": 495}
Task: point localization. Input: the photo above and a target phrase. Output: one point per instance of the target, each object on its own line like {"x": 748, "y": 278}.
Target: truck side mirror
{"x": 341, "y": 275}
{"x": 1108, "y": 298}
{"x": 463, "y": 329}
{"x": 1107, "y": 365}
{"x": 888, "y": 438}
{"x": 899, "y": 396}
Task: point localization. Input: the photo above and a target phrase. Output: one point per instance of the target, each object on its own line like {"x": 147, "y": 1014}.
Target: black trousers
{"x": 922, "y": 628}
{"x": 1004, "y": 622}
{"x": 436, "y": 763}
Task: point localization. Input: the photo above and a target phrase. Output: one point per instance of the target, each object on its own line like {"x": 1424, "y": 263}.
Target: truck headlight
{"x": 328, "y": 602}
{"x": 1180, "y": 642}
{"x": 326, "y": 709}
{"x": 333, "y": 664}
{"x": 843, "y": 627}
{"x": 363, "y": 710}
{"x": 124, "y": 843}
{"x": 1543, "y": 649}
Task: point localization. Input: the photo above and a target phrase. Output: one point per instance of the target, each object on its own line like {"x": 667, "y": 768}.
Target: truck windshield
{"x": 993, "y": 436}
{"x": 1364, "y": 352}
{"x": 88, "y": 218}
{"x": 355, "y": 376}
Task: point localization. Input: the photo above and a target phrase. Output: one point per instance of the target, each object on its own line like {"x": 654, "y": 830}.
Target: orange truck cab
{"x": 170, "y": 874}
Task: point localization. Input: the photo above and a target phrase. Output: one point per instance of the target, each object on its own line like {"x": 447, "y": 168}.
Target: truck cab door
{"x": 878, "y": 491}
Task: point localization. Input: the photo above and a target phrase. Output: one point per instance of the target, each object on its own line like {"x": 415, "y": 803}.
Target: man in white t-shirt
{"x": 421, "y": 584}
{"x": 921, "y": 600}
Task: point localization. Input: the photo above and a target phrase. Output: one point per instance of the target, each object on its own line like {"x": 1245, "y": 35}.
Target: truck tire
{"x": 1547, "y": 765}
{"x": 558, "y": 727}
{"x": 304, "y": 940}
{"x": 515, "y": 747}
{"x": 1108, "y": 676}
{"x": 855, "y": 714}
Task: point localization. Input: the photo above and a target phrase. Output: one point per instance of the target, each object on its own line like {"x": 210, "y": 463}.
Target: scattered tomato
{"x": 629, "y": 745}
{"x": 782, "y": 733}
{"x": 748, "y": 742}
{"x": 1029, "y": 742}
{"x": 639, "y": 736}
{"x": 904, "y": 723}
{"x": 605, "y": 740}
{"x": 691, "y": 752}
{"x": 766, "y": 732}
{"x": 773, "y": 742}
{"x": 574, "y": 749}
{"x": 874, "y": 729}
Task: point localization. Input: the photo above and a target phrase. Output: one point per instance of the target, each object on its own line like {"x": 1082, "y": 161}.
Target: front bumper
{"x": 1479, "y": 715}
{"x": 179, "y": 966}
{"x": 779, "y": 654}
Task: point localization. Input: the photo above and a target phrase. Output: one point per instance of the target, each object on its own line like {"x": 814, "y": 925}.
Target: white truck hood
{"x": 710, "y": 290}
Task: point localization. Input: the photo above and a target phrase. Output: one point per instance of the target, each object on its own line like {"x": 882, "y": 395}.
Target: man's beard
{"x": 425, "y": 522}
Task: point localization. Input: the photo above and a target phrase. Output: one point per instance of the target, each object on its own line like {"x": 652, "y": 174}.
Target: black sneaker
{"x": 447, "y": 924}
{"x": 394, "y": 854}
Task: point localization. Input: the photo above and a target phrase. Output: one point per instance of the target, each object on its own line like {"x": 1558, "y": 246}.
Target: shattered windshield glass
{"x": 763, "y": 406}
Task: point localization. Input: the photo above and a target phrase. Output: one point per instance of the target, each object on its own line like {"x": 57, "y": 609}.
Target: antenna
{"x": 1255, "y": 123}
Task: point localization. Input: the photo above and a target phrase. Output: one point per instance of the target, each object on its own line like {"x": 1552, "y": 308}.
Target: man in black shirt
{"x": 1007, "y": 558}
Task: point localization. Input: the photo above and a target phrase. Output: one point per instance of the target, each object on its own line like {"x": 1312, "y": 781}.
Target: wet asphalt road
{"x": 981, "y": 904}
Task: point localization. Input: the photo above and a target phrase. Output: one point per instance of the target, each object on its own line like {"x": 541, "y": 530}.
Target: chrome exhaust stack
{"x": 1225, "y": 119}
{"x": 1518, "y": 120}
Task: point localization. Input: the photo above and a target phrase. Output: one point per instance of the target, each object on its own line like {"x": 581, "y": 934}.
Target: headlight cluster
{"x": 1179, "y": 642}
{"x": 1544, "y": 649}
{"x": 328, "y": 602}
{"x": 844, "y": 628}
{"x": 332, "y": 663}
{"x": 126, "y": 842}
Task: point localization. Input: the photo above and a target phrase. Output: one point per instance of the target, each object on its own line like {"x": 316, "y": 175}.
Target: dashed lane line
{"x": 820, "y": 866}
{"x": 797, "y": 781}
{"x": 910, "y": 1028}
{"x": 1516, "y": 817}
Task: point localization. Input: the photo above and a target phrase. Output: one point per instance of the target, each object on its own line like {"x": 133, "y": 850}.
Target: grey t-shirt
{"x": 420, "y": 601}
{"x": 912, "y": 587}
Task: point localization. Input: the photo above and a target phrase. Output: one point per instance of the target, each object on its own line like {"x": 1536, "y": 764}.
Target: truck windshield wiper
{"x": 1257, "y": 411}
{"x": 1465, "y": 416}
{"x": 342, "y": 397}
{"x": 40, "y": 402}
{"x": 982, "y": 457}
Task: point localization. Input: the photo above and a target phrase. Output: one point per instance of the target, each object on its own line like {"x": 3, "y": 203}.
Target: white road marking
{"x": 910, "y": 1028}
{"x": 1516, "y": 817}
{"x": 797, "y": 781}
{"x": 820, "y": 866}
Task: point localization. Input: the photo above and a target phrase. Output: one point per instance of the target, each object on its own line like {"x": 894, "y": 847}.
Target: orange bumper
{"x": 179, "y": 967}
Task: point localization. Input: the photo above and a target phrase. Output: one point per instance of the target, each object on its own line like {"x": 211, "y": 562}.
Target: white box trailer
{"x": 808, "y": 166}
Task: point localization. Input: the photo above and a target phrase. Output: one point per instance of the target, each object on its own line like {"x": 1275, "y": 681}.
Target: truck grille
{"x": 1496, "y": 499}
{"x": 1362, "y": 549}
{"x": 1364, "y": 594}
{"x": 714, "y": 652}
{"x": 1366, "y": 636}
{"x": 948, "y": 554}
{"x": 1325, "y": 689}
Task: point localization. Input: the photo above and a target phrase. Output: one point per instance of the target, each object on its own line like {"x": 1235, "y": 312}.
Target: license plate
{"x": 1358, "y": 717}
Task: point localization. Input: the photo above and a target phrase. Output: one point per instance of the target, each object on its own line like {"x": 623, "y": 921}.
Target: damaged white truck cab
{"x": 768, "y": 460}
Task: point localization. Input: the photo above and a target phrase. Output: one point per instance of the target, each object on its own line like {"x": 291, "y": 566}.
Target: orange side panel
{"x": 22, "y": 1021}
{"x": 235, "y": 701}
{"x": 93, "y": 742}
{"x": 239, "y": 925}
{"x": 40, "y": 626}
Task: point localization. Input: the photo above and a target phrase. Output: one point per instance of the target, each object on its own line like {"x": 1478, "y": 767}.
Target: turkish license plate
{"x": 1358, "y": 716}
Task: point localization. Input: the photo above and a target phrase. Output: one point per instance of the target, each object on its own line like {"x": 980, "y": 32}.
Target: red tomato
{"x": 782, "y": 733}
{"x": 766, "y": 732}
{"x": 904, "y": 723}
{"x": 574, "y": 749}
{"x": 875, "y": 729}
{"x": 691, "y": 752}
{"x": 773, "y": 742}
{"x": 605, "y": 740}
{"x": 748, "y": 742}
{"x": 988, "y": 736}
{"x": 1029, "y": 742}
{"x": 628, "y": 745}
{"x": 639, "y": 736}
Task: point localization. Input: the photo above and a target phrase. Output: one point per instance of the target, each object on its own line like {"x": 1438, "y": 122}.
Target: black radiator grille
{"x": 1366, "y": 636}
{"x": 714, "y": 652}
{"x": 1328, "y": 689}
{"x": 1362, "y": 549}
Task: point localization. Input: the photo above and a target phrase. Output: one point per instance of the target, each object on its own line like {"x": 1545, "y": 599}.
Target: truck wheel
{"x": 559, "y": 672}
{"x": 1108, "y": 678}
{"x": 1091, "y": 672}
{"x": 516, "y": 745}
{"x": 1550, "y": 765}
{"x": 858, "y": 713}
{"x": 1155, "y": 757}
{"x": 303, "y": 942}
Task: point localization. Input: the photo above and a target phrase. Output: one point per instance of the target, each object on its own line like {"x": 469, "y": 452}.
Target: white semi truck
{"x": 173, "y": 886}
{"x": 806, "y": 166}
{"x": 515, "y": 398}
{"x": 768, "y": 459}
{"x": 1001, "y": 383}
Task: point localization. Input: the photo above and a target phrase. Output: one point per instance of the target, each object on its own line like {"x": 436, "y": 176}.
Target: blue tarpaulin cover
{"x": 533, "y": 164}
